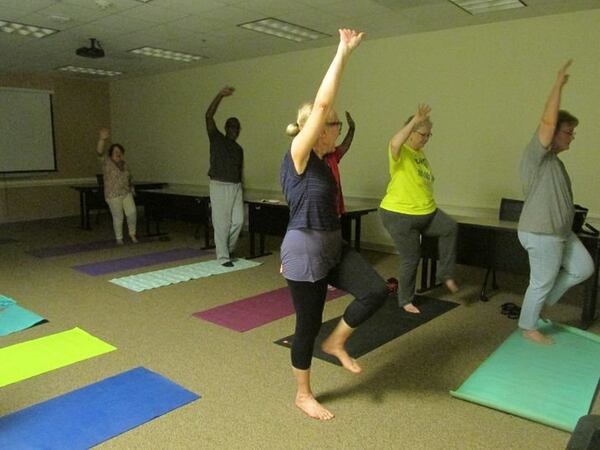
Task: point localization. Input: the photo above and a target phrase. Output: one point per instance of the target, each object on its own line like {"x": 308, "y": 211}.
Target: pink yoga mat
{"x": 252, "y": 312}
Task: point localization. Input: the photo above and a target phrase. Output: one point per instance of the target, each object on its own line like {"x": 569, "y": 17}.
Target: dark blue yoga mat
{"x": 388, "y": 323}
{"x": 93, "y": 414}
{"x": 82, "y": 247}
{"x": 135, "y": 262}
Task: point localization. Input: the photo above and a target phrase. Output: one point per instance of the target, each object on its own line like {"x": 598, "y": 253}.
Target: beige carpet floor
{"x": 400, "y": 401}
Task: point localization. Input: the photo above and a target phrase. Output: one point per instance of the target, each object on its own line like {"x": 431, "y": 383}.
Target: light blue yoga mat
{"x": 165, "y": 277}
{"x": 14, "y": 318}
{"x": 551, "y": 384}
{"x": 93, "y": 414}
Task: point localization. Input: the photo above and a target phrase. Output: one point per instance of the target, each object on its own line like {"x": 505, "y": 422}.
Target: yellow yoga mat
{"x": 28, "y": 359}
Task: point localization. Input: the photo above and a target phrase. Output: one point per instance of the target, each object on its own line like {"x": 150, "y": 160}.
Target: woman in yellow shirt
{"x": 408, "y": 210}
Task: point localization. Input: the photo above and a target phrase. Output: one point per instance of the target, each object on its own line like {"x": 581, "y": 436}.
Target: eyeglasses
{"x": 427, "y": 135}
{"x": 570, "y": 133}
{"x": 334, "y": 124}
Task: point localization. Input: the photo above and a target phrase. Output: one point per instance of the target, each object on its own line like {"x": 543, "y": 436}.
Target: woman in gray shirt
{"x": 557, "y": 258}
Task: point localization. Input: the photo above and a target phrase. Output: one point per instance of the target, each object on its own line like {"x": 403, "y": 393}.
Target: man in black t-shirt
{"x": 225, "y": 173}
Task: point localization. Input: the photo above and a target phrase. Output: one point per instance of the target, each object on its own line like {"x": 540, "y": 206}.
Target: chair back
{"x": 510, "y": 209}
{"x": 100, "y": 179}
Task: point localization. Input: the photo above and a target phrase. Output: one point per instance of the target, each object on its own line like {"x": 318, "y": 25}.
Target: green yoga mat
{"x": 551, "y": 384}
{"x": 28, "y": 359}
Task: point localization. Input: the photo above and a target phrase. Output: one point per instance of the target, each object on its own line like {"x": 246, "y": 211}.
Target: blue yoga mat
{"x": 550, "y": 384}
{"x": 93, "y": 414}
{"x": 14, "y": 318}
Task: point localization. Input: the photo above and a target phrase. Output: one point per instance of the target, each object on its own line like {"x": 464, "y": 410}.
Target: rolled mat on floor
{"x": 15, "y": 318}
{"x": 551, "y": 384}
{"x": 86, "y": 417}
{"x": 135, "y": 262}
{"x": 388, "y": 323}
{"x": 31, "y": 358}
{"x": 252, "y": 312}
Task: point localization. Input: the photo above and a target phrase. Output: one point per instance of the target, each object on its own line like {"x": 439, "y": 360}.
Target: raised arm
{"x": 214, "y": 105}
{"x": 103, "y": 137}
{"x": 304, "y": 141}
{"x": 345, "y": 145}
{"x": 547, "y": 125}
{"x": 402, "y": 135}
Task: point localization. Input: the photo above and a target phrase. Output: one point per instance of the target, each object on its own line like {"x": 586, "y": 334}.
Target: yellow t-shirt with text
{"x": 410, "y": 190}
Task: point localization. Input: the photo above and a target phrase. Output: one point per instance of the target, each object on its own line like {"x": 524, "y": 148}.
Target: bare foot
{"x": 410, "y": 308}
{"x": 134, "y": 239}
{"x": 451, "y": 285}
{"x": 313, "y": 408}
{"x": 536, "y": 336}
{"x": 119, "y": 241}
{"x": 349, "y": 363}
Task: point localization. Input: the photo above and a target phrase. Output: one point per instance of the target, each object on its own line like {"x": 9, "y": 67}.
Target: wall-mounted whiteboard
{"x": 26, "y": 131}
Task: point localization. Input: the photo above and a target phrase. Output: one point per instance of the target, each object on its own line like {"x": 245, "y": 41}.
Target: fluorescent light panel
{"x": 168, "y": 54}
{"x": 484, "y": 6}
{"x": 90, "y": 71}
{"x": 25, "y": 30}
{"x": 284, "y": 30}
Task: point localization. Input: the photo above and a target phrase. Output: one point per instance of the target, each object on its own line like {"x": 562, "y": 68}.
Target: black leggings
{"x": 354, "y": 275}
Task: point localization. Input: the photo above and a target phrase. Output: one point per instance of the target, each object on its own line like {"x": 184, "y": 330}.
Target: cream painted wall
{"x": 486, "y": 84}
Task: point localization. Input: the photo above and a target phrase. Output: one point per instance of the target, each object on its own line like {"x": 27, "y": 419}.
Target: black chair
{"x": 586, "y": 435}
{"x": 510, "y": 211}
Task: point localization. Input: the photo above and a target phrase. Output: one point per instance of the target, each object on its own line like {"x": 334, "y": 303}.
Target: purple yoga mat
{"x": 134, "y": 262}
{"x": 253, "y": 312}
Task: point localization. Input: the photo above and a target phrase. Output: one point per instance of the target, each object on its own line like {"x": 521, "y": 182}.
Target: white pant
{"x": 227, "y": 211}
{"x": 118, "y": 205}
{"x": 556, "y": 263}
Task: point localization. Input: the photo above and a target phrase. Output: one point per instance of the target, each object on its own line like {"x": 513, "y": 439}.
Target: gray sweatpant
{"x": 227, "y": 206}
{"x": 406, "y": 231}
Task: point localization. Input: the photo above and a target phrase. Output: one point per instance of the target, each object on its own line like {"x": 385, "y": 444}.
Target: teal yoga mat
{"x": 551, "y": 384}
{"x": 14, "y": 318}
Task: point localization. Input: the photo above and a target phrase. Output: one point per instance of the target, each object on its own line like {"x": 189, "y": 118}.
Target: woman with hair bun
{"x": 312, "y": 253}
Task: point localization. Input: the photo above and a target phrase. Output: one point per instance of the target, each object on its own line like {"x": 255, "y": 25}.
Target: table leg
{"x": 357, "y": 226}
{"x": 86, "y": 212}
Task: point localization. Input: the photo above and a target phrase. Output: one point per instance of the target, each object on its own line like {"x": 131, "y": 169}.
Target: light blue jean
{"x": 556, "y": 263}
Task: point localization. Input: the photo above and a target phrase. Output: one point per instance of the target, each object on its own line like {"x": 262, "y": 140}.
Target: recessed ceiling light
{"x": 61, "y": 19}
{"x": 90, "y": 71}
{"x": 23, "y": 29}
{"x": 484, "y": 6}
{"x": 284, "y": 30}
{"x": 167, "y": 54}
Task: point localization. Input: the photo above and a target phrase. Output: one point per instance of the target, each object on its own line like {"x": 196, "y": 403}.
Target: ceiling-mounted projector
{"x": 93, "y": 51}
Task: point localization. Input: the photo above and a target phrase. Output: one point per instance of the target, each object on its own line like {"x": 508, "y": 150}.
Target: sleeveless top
{"x": 311, "y": 196}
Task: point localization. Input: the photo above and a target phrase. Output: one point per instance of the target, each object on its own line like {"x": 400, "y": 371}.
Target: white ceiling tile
{"x": 156, "y": 14}
{"x": 209, "y": 27}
